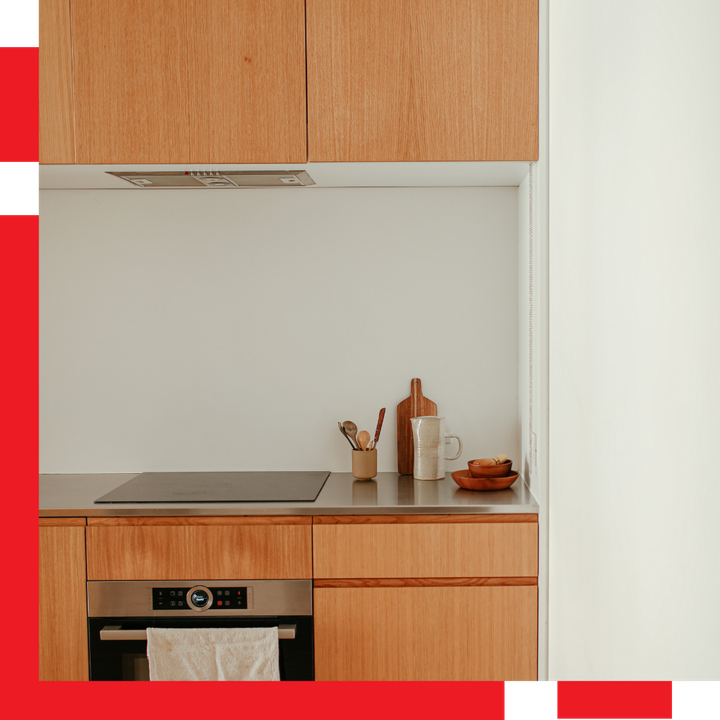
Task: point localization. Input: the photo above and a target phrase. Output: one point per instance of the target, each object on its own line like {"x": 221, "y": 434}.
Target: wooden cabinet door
{"x": 57, "y": 139}
{"x": 131, "y": 96}
{"x": 426, "y": 633}
{"x": 247, "y": 81}
{"x": 178, "y": 81}
{"x": 62, "y": 591}
{"x": 422, "y": 80}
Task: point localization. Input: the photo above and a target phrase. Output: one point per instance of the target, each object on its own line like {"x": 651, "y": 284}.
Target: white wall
{"x": 190, "y": 330}
{"x": 634, "y": 339}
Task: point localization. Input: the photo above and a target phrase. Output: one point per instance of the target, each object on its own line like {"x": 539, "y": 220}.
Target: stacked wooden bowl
{"x": 487, "y": 474}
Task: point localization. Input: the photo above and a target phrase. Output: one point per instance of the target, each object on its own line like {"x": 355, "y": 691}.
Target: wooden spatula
{"x": 414, "y": 406}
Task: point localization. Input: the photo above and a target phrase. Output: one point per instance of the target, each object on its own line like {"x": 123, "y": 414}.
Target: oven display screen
{"x": 223, "y": 598}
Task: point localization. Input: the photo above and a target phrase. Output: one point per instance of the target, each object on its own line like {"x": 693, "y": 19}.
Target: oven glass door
{"x": 127, "y": 659}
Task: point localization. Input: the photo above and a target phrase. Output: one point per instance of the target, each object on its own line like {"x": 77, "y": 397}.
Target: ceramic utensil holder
{"x": 364, "y": 464}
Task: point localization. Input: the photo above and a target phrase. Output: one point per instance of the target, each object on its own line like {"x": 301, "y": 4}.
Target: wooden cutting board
{"x": 414, "y": 406}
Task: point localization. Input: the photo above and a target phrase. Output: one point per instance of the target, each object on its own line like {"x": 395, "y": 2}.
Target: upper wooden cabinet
{"x": 226, "y": 81}
{"x": 189, "y": 81}
{"x": 422, "y": 80}
{"x": 57, "y": 140}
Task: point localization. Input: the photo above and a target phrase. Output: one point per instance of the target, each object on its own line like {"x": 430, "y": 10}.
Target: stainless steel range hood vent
{"x": 228, "y": 179}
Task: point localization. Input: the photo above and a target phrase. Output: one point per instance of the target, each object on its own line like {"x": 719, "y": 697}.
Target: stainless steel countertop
{"x": 389, "y": 494}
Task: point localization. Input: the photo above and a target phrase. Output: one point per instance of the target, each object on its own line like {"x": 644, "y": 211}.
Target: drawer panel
{"x": 225, "y": 549}
{"x": 425, "y": 548}
{"x": 426, "y": 633}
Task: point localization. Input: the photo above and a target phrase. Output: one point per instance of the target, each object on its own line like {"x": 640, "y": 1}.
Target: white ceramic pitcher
{"x": 429, "y": 442}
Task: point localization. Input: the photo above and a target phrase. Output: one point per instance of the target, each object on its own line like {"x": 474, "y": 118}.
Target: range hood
{"x": 313, "y": 175}
{"x": 225, "y": 179}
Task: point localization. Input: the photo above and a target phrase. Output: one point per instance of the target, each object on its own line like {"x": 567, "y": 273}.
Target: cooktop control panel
{"x": 200, "y": 598}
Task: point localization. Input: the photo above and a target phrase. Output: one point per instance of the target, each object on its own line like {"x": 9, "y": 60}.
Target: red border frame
{"x": 19, "y": 289}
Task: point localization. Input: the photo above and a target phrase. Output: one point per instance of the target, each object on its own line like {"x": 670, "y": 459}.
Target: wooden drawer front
{"x": 434, "y": 550}
{"x": 187, "y": 552}
{"x": 444, "y": 633}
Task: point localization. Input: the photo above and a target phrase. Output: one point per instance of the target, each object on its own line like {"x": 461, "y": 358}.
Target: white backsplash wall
{"x": 232, "y": 330}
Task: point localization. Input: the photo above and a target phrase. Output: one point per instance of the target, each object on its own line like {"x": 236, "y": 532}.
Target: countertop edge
{"x": 290, "y": 512}
{"x": 388, "y": 494}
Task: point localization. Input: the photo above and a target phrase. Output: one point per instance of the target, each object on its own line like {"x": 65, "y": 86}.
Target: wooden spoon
{"x": 342, "y": 430}
{"x": 363, "y": 439}
{"x": 381, "y": 417}
{"x": 351, "y": 430}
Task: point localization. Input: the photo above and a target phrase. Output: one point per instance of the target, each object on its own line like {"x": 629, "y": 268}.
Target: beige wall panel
{"x": 247, "y": 81}
{"x": 430, "y": 551}
{"x": 422, "y": 80}
{"x": 130, "y": 64}
{"x": 57, "y": 135}
{"x": 63, "y": 614}
{"x": 450, "y": 633}
{"x": 192, "y": 552}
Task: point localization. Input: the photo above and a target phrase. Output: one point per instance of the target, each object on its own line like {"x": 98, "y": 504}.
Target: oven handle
{"x": 115, "y": 632}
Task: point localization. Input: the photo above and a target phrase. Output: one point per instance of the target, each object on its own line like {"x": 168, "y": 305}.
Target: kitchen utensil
{"x": 342, "y": 430}
{"x": 465, "y": 480}
{"x": 363, "y": 438}
{"x": 351, "y": 430}
{"x": 364, "y": 464}
{"x": 491, "y": 461}
{"x": 415, "y": 406}
{"x": 429, "y": 448}
{"x": 378, "y": 428}
{"x": 500, "y": 470}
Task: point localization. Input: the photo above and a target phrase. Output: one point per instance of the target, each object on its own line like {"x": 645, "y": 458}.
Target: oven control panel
{"x": 200, "y": 598}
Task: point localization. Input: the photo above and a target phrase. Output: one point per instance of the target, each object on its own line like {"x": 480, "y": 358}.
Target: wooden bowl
{"x": 500, "y": 470}
{"x": 465, "y": 480}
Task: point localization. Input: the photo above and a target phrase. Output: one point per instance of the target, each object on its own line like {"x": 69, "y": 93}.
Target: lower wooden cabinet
{"x": 395, "y": 598}
{"x": 425, "y": 597}
{"x": 426, "y": 633}
{"x": 63, "y": 610}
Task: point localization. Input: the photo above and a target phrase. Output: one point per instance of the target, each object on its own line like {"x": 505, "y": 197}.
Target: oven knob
{"x": 199, "y": 598}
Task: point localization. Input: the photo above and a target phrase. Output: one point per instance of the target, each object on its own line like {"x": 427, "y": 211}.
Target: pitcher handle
{"x": 459, "y": 452}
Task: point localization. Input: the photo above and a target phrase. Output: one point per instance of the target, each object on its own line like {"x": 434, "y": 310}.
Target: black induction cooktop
{"x": 218, "y": 487}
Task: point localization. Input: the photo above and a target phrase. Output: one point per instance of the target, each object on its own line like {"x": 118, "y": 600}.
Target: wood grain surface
{"x": 425, "y": 550}
{"x": 425, "y": 582}
{"x": 57, "y": 132}
{"x": 422, "y": 519}
{"x": 131, "y": 87}
{"x": 447, "y": 633}
{"x": 187, "y": 552}
{"x": 202, "y": 81}
{"x": 61, "y": 600}
{"x": 422, "y": 80}
{"x": 247, "y": 81}
{"x": 416, "y": 405}
{"x": 190, "y": 520}
{"x": 63, "y": 522}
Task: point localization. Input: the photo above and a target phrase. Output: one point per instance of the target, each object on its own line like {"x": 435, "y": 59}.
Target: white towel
{"x": 213, "y": 653}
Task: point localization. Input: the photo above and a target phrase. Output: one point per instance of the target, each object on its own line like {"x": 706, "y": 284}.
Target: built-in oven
{"x": 119, "y": 614}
